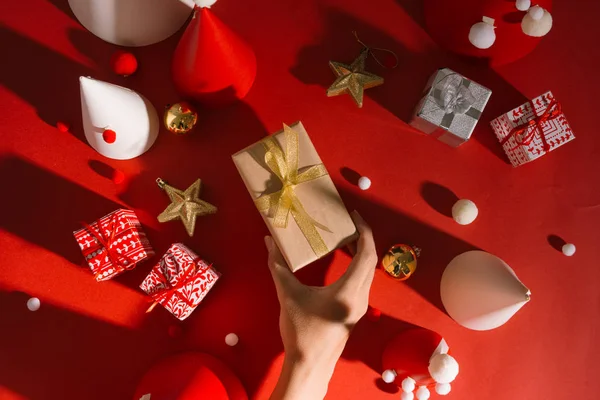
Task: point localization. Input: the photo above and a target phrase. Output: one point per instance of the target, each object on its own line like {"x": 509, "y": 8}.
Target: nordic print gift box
{"x": 532, "y": 129}
{"x": 295, "y": 196}
{"x": 450, "y": 107}
{"x": 180, "y": 281}
{"x": 113, "y": 244}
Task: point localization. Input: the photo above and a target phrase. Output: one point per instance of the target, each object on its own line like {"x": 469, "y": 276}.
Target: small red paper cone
{"x": 212, "y": 65}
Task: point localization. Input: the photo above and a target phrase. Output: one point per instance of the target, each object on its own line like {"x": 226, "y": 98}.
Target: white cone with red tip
{"x": 128, "y": 116}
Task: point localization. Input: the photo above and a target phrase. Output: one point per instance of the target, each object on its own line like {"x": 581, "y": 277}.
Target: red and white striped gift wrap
{"x": 180, "y": 281}
{"x": 113, "y": 244}
{"x": 532, "y": 129}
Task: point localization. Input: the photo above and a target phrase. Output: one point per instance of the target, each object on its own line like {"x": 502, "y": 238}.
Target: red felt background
{"x": 93, "y": 341}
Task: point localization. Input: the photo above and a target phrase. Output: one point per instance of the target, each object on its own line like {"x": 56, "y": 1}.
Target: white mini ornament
{"x": 480, "y": 291}
{"x": 482, "y": 34}
{"x": 408, "y": 384}
{"x": 523, "y": 5}
{"x": 205, "y": 3}
{"x": 364, "y": 183}
{"x": 407, "y": 396}
{"x": 132, "y": 22}
{"x": 443, "y": 388}
{"x": 389, "y": 375}
{"x": 232, "y": 339}
{"x": 537, "y": 22}
{"x": 119, "y": 123}
{"x": 569, "y": 249}
{"x": 33, "y": 304}
{"x": 464, "y": 212}
{"x": 423, "y": 393}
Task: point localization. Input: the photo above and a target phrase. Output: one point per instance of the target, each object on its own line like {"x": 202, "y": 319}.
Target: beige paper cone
{"x": 480, "y": 291}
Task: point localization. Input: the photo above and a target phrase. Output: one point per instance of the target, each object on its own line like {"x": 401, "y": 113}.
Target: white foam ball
{"x": 482, "y": 35}
{"x": 443, "y": 368}
{"x": 389, "y": 375}
{"x": 407, "y": 396}
{"x": 569, "y": 249}
{"x": 205, "y": 3}
{"x": 536, "y": 12}
{"x": 523, "y": 5}
{"x": 232, "y": 339}
{"x": 464, "y": 211}
{"x": 408, "y": 384}
{"x": 536, "y": 28}
{"x": 33, "y": 304}
{"x": 443, "y": 388}
{"x": 423, "y": 393}
{"x": 364, "y": 183}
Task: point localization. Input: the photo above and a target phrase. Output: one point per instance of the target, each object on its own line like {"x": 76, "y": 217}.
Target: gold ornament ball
{"x": 180, "y": 118}
{"x": 400, "y": 261}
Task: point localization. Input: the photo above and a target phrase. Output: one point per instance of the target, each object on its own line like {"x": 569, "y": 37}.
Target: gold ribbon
{"x": 285, "y": 202}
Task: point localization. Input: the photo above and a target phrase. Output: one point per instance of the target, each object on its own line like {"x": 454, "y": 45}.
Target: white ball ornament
{"x": 536, "y": 12}
{"x": 443, "y": 388}
{"x": 232, "y": 339}
{"x": 443, "y": 368}
{"x": 407, "y": 396}
{"x": 464, "y": 212}
{"x": 523, "y": 5}
{"x": 569, "y": 249}
{"x": 408, "y": 384}
{"x": 33, "y": 304}
{"x": 389, "y": 375}
{"x": 482, "y": 34}
{"x": 364, "y": 183}
{"x": 423, "y": 393}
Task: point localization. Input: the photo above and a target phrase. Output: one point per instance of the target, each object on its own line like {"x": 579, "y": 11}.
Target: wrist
{"x": 304, "y": 377}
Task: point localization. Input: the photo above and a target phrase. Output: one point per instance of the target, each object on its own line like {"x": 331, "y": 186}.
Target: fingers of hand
{"x": 282, "y": 275}
{"x": 362, "y": 268}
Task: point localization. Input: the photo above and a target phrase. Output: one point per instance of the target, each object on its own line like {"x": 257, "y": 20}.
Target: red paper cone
{"x": 212, "y": 64}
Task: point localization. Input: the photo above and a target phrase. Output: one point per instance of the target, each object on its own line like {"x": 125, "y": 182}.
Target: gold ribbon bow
{"x": 285, "y": 202}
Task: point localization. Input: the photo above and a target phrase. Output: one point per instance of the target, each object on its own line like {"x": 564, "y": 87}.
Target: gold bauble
{"x": 180, "y": 118}
{"x": 400, "y": 261}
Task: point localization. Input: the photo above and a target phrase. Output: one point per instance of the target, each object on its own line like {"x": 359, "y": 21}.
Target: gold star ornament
{"x": 353, "y": 79}
{"x": 185, "y": 205}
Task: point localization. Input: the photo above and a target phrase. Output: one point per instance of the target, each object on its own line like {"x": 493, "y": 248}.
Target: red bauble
{"x": 191, "y": 376}
{"x": 123, "y": 63}
{"x": 109, "y": 136}
{"x": 449, "y": 23}
{"x": 212, "y": 64}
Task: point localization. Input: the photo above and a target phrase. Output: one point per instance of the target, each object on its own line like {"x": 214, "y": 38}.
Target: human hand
{"x": 315, "y": 322}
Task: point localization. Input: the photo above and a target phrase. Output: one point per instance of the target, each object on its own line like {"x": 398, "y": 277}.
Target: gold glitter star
{"x": 353, "y": 79}
{"x": 185, "y": 206}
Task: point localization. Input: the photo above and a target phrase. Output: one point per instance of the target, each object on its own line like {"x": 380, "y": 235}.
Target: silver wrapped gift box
{"x": 450, "y": 107}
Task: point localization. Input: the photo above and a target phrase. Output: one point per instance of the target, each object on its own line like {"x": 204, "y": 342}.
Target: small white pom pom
{"x": 569, "y": 249}
{"x": 443, "y": 388}
{"x": 464, "y": 211}
{"x": 536, "y": 12}
{"x": 33, "y": 304}
{"x": 389, "y": 375}
{"x": 205, "y": 3}
{"x": 364, "y": 183}
{"x": 536, "y": 28}
{"x": 231, "y": 339}
{"x": 482, "y": 35}
{"x": 407, "y": 396}
{"x": 408, "y": 384}
{"x": 423, "y": 393}
{"x": 443, "y": 368}
{"x": 523, "y": 5}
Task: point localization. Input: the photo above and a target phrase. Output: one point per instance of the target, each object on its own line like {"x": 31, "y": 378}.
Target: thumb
{"x": 283, "y": 277}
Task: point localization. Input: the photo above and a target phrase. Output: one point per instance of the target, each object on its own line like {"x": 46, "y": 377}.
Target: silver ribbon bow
{"x": 452, "y": 95}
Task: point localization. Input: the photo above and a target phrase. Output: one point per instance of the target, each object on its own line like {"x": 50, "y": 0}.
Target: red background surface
{"x": 93, "y": 341}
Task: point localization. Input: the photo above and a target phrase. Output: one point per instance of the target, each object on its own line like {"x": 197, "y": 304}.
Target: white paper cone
{"x": 480, "y": 291}
{"x": 132, "y": 22}
{"x": 129, "y": 114}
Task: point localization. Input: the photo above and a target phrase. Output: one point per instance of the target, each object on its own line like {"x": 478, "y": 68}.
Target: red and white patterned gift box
{"x": 180, "y": 281}
{"x": 113, "y": 244}
{"x": 532, "y": 129}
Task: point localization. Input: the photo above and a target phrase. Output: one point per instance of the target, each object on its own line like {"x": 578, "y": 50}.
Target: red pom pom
{"x": 118, "y": 177}
{"x": 175, "y": 331}
{"x": 109, "y": 136}
{"x": 123, "y": 63}
{"x": 373, "y": 314}
{"x": 62, "y": 126}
